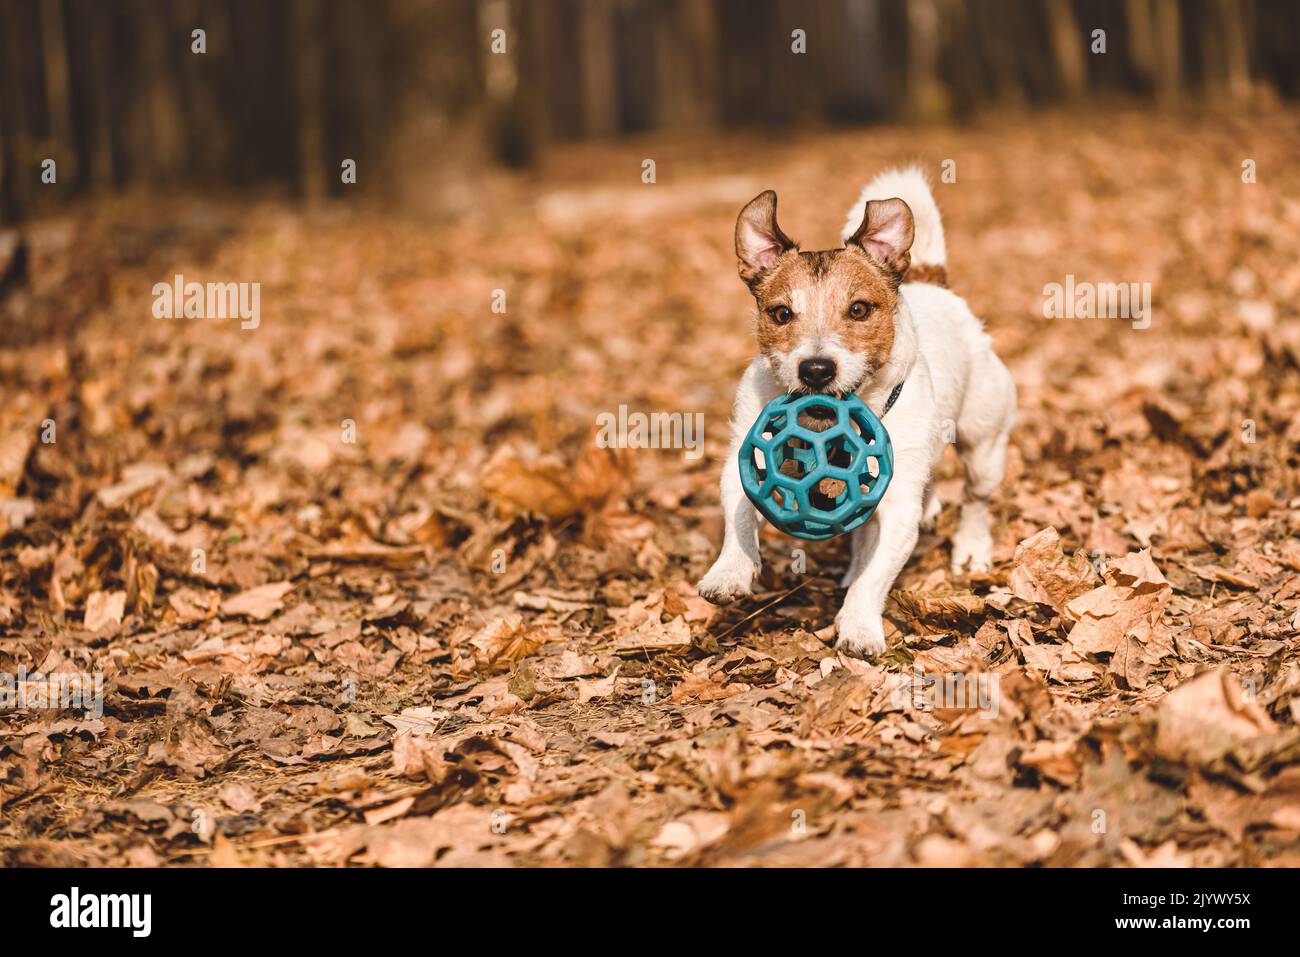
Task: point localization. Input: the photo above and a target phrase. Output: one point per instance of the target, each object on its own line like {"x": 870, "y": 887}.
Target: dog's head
{"x": 826, "y": 320}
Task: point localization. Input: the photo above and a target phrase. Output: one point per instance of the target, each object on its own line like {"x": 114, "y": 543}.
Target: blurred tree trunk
{"x": 599, "y": 79}
{"x": 164, "y": 154}
{"x": 1229, "y": 32}
{"x": 354, "y": 87}
{"x": 700, "y": 32}
{"x": 309, "y": 82}
{"x": 58, "y": 99}
{"x": 801, "y": 77}
{"x": 926, "y": 97}
{"x": 1141, "y": 39}
{"x": 20, "y": 173}
{"x": 855, "y": 62}
{"x": 9, "y": 206}
{"x": 634, "y": 59}
{"x": 1169, "y": 56}
{"x": 9, "y": 210}
{"x": 103, "y": 159}
{"x": 992, "y": 25}
{"x": 511, "y": 107}
{"x": 1067, "y": 46}
{"x": 686, "y": 58}
{"x": 441, "y": 127}
{"x": 208, "y": 129}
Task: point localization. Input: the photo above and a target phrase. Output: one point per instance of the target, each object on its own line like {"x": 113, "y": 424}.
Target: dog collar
{"x": 893, "y": 397}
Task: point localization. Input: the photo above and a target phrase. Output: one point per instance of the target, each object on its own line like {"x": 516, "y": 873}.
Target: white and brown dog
{"x": 868, "y": 318}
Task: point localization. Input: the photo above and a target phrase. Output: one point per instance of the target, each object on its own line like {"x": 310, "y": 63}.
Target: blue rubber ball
{"x": 816, "y": 466}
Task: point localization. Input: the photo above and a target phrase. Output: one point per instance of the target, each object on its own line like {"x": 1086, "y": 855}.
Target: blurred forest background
{"x": 287, "y": 89}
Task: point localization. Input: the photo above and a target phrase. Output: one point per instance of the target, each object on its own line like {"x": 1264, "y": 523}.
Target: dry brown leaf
{"x": 1043, "y": 574}
{"x": 104, "y": 609}
{"x": 1167, "y": 854}
{"x": 224, "y": 853}
{"x": 1202, "y": 721}
{"x": 239, "y": 797}
{"x": 1124, "y": 618}
{"x": 1213, "y": 573}
{"x": 1234, "y": 812}
{"x": 416, "y": 756}
{"x": 570, "y": 664}
{"x": 939, "y": 608}
{"x": 518, "y": 479}
{"x": 505, "y": 640}
{"x": 136, "y": 478}
{"x": 596, "y": 690}
{"x": 258, "y": 603}
{"x": 690, "y": 833}
{"x": 654, "y": 636}
{"x": 390, "y": 811}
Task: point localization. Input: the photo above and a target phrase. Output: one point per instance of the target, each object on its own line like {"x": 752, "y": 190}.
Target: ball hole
{"x": 818, "y": 418}
{"x": 838, "y": 454}
{"x": 793, "y": 468}
{"x": 832, "y": 487}
{"x": 827, "y": 494}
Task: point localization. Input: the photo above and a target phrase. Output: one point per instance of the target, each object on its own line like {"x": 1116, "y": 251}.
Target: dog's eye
{"x": 859, "y": 311}
{"x": 780, "y": 314}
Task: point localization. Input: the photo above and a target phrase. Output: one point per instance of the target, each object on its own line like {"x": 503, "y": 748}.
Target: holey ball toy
{"x": 816, "y": 466}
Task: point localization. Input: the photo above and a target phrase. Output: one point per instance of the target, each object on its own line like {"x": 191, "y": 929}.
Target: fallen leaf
{"x": 596, "y": 690}
{"x": 655, "y": 636}
{"x": 1043, "y": 574}
{"x": 136, "y": 478}
{"x": 506, "y": 640}
{"x": 690, "y": 833}
{"x": 1205, "y": 719}
{"x": 258, "y": 603}
{"x": 104, "y": 609}
{"x": 1123, "y": 618}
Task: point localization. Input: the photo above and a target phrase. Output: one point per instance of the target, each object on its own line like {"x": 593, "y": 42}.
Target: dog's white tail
{"x": 911, "y": 186}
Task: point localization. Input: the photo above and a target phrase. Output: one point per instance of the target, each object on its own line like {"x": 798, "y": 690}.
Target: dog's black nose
{"x": 816, "y": 373}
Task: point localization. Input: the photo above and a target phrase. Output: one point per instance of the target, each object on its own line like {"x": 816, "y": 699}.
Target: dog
{"x": 867, "y": 318}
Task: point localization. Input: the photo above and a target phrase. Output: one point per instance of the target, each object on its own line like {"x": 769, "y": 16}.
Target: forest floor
{"x": 363, "y": 589}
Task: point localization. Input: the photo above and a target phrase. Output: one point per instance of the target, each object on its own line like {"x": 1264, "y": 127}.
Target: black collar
{"x": 893, "y": 397}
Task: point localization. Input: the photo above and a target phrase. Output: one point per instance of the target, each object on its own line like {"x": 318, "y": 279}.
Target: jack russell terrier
{"x": 870, "y": 318}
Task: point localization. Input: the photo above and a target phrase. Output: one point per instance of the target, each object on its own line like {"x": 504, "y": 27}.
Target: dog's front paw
{"x": 859, "y": 637}
{"x": 974, "y": 546}
{"x": 728, "y": 580}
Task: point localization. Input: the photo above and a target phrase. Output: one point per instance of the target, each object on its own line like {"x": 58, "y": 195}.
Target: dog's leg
{"x": 973, "y": 542}
{"x": 930, "y": 509}
{"x": 732, "y": 575}
{"x": 859, "y": 549}
{"x": 891, "y": 536}
{"x": 988, "y": 413}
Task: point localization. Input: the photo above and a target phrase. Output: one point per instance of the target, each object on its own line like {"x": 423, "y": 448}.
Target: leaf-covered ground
{"x": 471, "y": 635}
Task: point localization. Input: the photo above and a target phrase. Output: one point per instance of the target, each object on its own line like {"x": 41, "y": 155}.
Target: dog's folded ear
{"x": 759, "y": 240}
{"x": 886, "y": 233}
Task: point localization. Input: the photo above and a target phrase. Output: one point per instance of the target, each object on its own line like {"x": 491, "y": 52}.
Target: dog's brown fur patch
{"x": 935, "y": 275}
{"x": 819, "y": 287}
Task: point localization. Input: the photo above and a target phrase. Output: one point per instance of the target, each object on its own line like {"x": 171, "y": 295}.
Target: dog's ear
{"x": 759, "y": 240}
{"x": 886, "y": 233}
